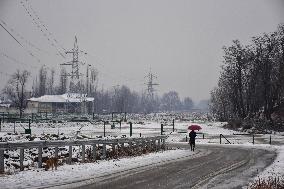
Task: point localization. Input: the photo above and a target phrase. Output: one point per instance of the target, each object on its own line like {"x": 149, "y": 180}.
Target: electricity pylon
{"x": 75, "y": 85}
{"x": 150, "y": 84}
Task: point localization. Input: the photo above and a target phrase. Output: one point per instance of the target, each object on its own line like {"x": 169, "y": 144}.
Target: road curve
{"x": 222, "y": 167}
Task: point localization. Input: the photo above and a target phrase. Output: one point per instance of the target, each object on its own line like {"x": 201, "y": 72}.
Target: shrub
{"x": 270, "y": 183}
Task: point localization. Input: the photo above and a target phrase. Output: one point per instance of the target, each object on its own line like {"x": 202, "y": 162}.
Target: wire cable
{"x": 28, "y": 12}
{"x": 30, "y": 53}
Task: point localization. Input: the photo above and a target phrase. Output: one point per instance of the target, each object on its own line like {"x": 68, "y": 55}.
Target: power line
{"x": 12, "y": 36}
{"x": 30, "y": 53}
{"x": 45, "y": 26}
{"x": 13, "y": 60}
{"x": 41, "y": 28}
{"x": 12, "y": 30}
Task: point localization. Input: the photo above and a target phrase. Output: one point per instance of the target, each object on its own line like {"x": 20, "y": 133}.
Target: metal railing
{"x": 157, "y": 142}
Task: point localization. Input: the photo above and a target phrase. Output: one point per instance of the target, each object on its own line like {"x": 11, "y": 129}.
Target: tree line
{"x": 122, "y": 99}
{"x": 251, "y": 83}
{"x": 116, "y": 99}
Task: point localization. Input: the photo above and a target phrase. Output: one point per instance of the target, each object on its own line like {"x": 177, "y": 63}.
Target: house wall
{"x": 32, "y": 107}
{"x": 58, "y": 107}
{"x": 10, "y": 110}
{"x": 54, "y": 107}
{"x": 45, "y": 107}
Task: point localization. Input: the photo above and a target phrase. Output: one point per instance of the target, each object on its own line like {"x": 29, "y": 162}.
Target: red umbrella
{"x": 194, "y": 127}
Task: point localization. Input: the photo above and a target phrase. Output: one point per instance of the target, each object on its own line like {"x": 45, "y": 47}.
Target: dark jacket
{"x": 192, "y": 136}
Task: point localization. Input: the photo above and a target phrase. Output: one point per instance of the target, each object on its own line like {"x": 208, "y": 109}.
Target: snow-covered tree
{"x": 16, "y": 89}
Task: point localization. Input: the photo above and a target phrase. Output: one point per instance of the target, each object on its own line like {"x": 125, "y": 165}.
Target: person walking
{"x": 192, "y": 136}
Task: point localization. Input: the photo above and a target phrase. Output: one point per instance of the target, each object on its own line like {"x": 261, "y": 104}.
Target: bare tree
{"x": 16, "y": 89}
{"x": 50, "y": 82}
{"x": 251, "y": 84}
{"x": 187, "y": 103}
{"x": 42, "y": 81}
{"x": 171, "y": 101}
{"x": 62, "y": 88}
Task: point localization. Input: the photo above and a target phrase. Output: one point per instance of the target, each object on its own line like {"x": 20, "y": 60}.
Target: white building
{"x": 69, "y": 103}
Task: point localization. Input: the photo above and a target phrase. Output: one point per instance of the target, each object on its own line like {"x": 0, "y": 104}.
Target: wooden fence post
{"x": 70, "y": 155}
{"x": 113, "y": 147}
{"x": 155, "y": 144}
{"x": 94, "y": 152}
{"x": 270, "y": 139}
{"x": 125, "y": 120}
{"x": 40, "y": 157}
{"x": 21, "y": 159}
{"x": 253, "y": 139}
{"x": 122, "y": 146}
{"x": 162, "y": 129}
{"x": 173, "y": 125}
{"x": 0, "y": 124}
{"x": 2, "y": 161}
{"x": 104, "y": 150}
{"x": 29, "y": 123}
{"x": 130, "y": 144}
{"x": 83, "y": 153}
{"x": 149, "y": 144}
{"x": 220, "y": 138}
{"x": 56, "y": 152}
{"x": 130, "y": 128}
{"x": 104, "y": 129}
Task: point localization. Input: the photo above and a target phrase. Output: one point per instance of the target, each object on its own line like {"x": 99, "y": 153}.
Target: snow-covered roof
{"x": 5, "y": 105}
{"x": 68, "y": 97}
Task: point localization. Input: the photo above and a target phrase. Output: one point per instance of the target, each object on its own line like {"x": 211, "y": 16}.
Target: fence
{"x": 237, "y": 138}
{"x": 157, "y": 142}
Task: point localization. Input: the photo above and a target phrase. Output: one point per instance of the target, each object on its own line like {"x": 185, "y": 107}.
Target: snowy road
{"x": 223, "y": 167}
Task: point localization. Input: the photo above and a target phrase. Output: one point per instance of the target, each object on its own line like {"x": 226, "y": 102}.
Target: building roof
{"x": 68, "y": 97}
{"x": 5, "y": 105}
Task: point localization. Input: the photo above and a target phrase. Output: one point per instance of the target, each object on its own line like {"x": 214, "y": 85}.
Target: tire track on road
{"x": 220, "y": 165}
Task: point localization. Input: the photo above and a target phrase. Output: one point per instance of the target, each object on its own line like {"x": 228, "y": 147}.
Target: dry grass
{"x": 270, "y": 183}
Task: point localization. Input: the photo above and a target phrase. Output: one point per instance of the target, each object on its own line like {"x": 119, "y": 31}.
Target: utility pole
{"x": 87, "y": 80}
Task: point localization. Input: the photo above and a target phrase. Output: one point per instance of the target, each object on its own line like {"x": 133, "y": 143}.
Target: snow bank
{"x": 67, "y": 175}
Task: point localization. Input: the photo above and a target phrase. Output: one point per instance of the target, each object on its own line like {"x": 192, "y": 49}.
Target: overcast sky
{"x": 180, "y": 40}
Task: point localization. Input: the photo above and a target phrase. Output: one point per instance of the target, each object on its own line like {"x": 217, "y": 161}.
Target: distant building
{"x": 68, "y": 103}
{"x": 5, "y": 107}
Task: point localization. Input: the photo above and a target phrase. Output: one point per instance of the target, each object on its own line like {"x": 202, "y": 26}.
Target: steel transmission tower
{"x": 150, "y": 84}
{"x": 75, "y": 85}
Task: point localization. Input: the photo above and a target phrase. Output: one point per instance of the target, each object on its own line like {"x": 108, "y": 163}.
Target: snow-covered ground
{"x": 67, "y": 175}
{"x": 71, "y": 173}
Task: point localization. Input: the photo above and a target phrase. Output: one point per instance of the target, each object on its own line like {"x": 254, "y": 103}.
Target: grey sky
{"x": 181, "y": 40}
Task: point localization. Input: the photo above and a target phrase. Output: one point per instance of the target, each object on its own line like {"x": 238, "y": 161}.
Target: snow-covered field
{"x": 211, "y": 131}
